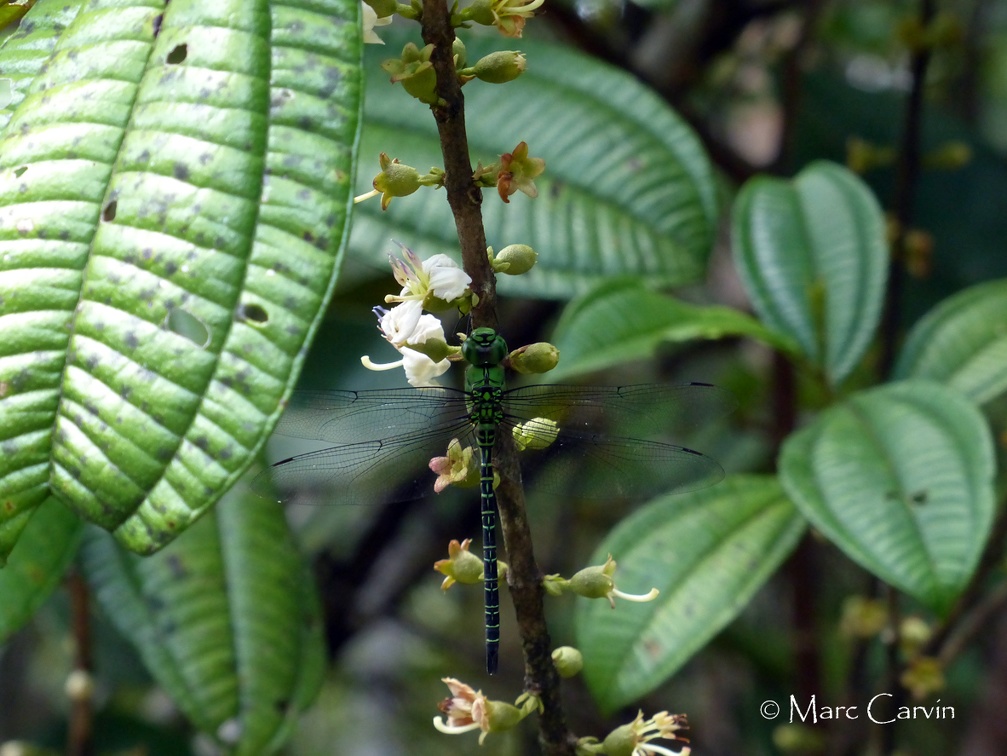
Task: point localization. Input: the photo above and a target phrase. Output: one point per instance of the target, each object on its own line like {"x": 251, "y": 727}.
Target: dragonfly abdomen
{"x": 485, "y": 437}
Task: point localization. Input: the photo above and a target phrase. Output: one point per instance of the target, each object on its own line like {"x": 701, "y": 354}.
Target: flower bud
{"x": 621, "y": 741}
{"x": 468, "y": 568}
{"x": 499, "y": 67}
{"x": 461, "y": 566}
{"x": 592, "y": 582}
{"x": 568, "y": 660}
{"x": 537, "y": 433}
{"x": 459, "y": 53}
{"x": 415, "y": 72}
{"x": 540, "y": 357}
{"x": 515, "y": 259}
{"x": 395, "y": 180}
{"x": 502, "y": 715}
{"x": 480, "y": 12}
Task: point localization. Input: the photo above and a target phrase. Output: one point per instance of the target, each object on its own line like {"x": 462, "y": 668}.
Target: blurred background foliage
{"x": 767, "y": 86}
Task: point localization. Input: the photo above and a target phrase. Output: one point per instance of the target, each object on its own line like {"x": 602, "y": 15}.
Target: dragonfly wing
{"x": 598, "y": 467}
{"x": 370, "y": 472}
{"x": 349, "y": 417}
{"x": 649, "y": 410}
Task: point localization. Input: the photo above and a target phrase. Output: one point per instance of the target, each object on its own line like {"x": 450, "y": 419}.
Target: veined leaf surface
{"x": 174, "y": 186}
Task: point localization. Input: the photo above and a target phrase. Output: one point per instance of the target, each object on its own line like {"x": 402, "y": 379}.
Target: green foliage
{"x": 164, "y": 166}
{"x": 641, "y": 202}
{"x": 812, "y": 255}
{"x": 624, "y": 320}
{"x": 175, "y": 184}
{"x": 225, "y": 618}
{"x": 963, "y": 343}
{"x": 707, "y": 552}
{"x": 45, "y": 549}
{"x": 900, "y": 478}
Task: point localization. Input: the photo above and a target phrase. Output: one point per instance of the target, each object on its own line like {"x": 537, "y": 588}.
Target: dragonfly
{"x": 386, "y": 438}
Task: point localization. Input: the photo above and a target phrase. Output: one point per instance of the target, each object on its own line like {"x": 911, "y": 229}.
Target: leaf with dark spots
{"x": 132, "y": 341}
{"x": 170, "y": 268}
{"x": 181, "y": 171}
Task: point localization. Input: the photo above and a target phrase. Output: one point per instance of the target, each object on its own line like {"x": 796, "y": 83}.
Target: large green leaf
{"x": 225, "y": 618}
{"x": 36, "y": 566}
{"x": 707, "y": 552}
{"x": 623, "y": 320}
{"x": 23, "y": 54}
{"x": 899, "y": 478}
{"x": 963, "y": 343}
{"x": 174, "y": 187}
{"x": 627, "y": 188}
{"x": 813, "y": 257}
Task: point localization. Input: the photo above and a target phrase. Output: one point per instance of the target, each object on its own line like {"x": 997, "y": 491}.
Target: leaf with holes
{"x": 962, "y": 342}
{"x": 707, "y": 552}
{"x": 627, "y": 190}
{"x": 225, "y": 618}
{"x": 901, "y": 479}
{"x": 813, "y": 257}
{"x": 174, "y": 187}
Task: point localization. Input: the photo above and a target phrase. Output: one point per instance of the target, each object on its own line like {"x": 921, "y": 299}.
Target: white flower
{"x": 438, "y": 277}
{"x": 406, "y": 325}
{"x": 370, "y": 20}
{"x": 399, "y": 324}
{"x": 420, "y": 369}
{"x": 446, "y": 280}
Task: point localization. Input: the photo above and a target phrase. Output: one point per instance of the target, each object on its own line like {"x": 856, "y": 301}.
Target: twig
{"x": 907, "y": 172}
{"x": 80, "y": 739}
{"x": 523, "y": 576}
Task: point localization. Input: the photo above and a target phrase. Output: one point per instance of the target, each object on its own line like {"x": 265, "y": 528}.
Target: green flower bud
{"x": 537, "y": 433}
{"x": 540, "y": 357}
{"x": 499, "y": 67}
{"x": 502, "y": 715}
{"x": 395, "y": 180}
{"x": 568, "y": 660}
{"x": 468, "y": 568}
{"x": 592, "y": 582}
{"x": 459, "y": 53}
{"x": 480, "y": 12}
{"x": 515, "y": 259}
{"x": 621, "y": 741}
{"x": 415, "y": 72}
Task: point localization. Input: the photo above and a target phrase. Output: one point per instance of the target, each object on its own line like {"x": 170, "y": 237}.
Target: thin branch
{"x": 465, "y": 198}
{"x": 80, "y": 738}
{"x": 907, "y": 173}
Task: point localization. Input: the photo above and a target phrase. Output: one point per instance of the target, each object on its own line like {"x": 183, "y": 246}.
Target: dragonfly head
{"x": 484, "y": 348}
